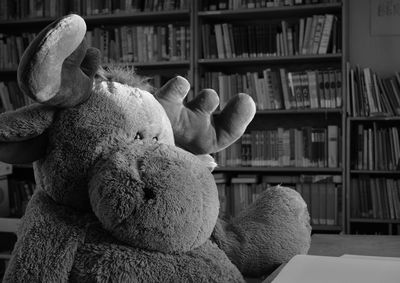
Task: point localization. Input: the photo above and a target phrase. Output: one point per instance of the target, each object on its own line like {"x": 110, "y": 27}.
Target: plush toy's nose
{"x": 155, "y": 197}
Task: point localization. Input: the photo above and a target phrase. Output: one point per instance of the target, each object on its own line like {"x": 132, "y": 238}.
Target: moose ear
{"x": 195, "y": 128}
{"x": 23, "y": 136}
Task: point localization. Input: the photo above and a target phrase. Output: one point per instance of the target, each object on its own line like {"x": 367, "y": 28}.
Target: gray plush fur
{"x": 81, "y": 135}
{"x": 124, "y": 75}
{"x": 162, "y": 199}
{"x": 121, "y": 263}
{"x": 50, "y": 260}
{"x": 278, "y": 211}
{"x": 25, "y": 123}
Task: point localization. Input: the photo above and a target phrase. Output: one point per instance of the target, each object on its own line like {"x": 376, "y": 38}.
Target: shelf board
{"x": 26, "y": 21}
{"x": 372, "y": 220}
{"x": 373, "y": 119}
{"x": 279, "y": 169}
{"x": 375, "y": 172}
{"x": 118, "y": 18}
{"x": 300, "y": 111}
{"x": 271, "y": 60}
{"x": 271, "y": 12}
{"x": 9, "y": 225}
{"x": 134, "y": 17}
{"x": 308, "y": 111}
{"x": 158, "y": 64}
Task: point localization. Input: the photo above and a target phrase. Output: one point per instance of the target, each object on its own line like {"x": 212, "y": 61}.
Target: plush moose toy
{"x": 124, "y": 190}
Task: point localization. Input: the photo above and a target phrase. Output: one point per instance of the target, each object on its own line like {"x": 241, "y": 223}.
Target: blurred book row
{"x": 11, "y": 97}
{"x": 212, "y": 5}
{"x": 297, "y": 147}
{"x": 376, "y": 147}
{"x": 149, "y": 43}
{"x": 371, "y": 94}
{"x": 377, "y": 198}
{"x": 280, "y": 89}
{"x": 322, "y": 194}
{"x": 314, "y": 35}
{"x": 140, "y": 43}
{"x": 14, "y": 196}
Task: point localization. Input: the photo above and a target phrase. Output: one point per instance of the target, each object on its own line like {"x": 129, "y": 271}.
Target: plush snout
{"x": 155, "y": 197}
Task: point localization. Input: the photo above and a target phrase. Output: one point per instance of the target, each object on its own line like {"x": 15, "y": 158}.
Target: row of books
{"x": 320, "y": 192}
{"x": 212, "y": 5}
{"x": 11, "y": 96}
{"x": 142, "y": 43}
{"x": 12, "y": 47}
{"x": 16, "y": 194}
{"x": 371, "y": 95}
{"x": 376, "y": 148}
{"x": 299, "y": 147}
{"x": 313, "y": 35}
{"x": 280, "y": 89}
{"x": 377, "y": 198}
{"x": 120, "y": 44}
{"x": 318, "y": 34}
{"x": 22, "y": 9}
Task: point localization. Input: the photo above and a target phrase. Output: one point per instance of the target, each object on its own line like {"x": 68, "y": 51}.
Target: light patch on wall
{"x": 385, "y": 17}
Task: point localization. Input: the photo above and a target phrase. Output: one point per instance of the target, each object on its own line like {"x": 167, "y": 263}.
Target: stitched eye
{"x": 138, "y": 136}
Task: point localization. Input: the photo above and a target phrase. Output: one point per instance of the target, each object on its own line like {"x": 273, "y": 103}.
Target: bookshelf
{"x": 228, "y": 65}
{"x": 194, "y": 16}
{"x": 374, "y": 151}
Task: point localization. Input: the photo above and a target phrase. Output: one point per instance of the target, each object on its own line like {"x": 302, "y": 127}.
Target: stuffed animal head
{"x": 104, "y": 143}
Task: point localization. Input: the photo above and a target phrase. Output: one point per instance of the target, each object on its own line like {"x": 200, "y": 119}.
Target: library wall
{"x": 381, "y": 53}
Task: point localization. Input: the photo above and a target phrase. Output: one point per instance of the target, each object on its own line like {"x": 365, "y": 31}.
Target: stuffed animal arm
{"x": 195, "y": 128}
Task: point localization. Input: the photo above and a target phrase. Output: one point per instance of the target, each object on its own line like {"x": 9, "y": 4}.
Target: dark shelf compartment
{"x": 156, "y": 64}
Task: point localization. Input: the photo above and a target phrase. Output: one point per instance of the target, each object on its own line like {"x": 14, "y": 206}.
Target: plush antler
{"x": 58, "y": 68}
{"x": 195, "y": 128}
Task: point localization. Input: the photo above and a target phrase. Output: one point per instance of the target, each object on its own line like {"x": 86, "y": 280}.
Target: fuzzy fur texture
{"x": 121, "y": 263}
{"x": 149, "y": 197}
{"x": 25, "y": 123}
{"x": 278, "y": 221}
{"x": 124, "y": 75}
{"x": 48, "y": 240}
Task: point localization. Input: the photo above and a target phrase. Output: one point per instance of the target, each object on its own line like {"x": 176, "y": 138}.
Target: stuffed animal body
{"x": 125, "y": 193}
